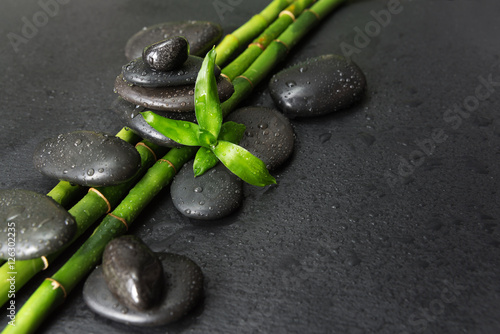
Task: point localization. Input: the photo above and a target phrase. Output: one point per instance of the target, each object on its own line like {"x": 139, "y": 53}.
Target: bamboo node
{"x": 56, "y": 284}
{"x": 262, "y": 17}
{"x": 120, "y": 219}
{"x": 244, "y": 77}
{"x": 281, "y": 42}
{"x": 315, "y": 14}
{"x": 289, "y": 13}
{"x": 45, "y": 262}
{"x": 102, "y": 196}
{"x": 262, "y": 47}
{"x": 149, "y": 149}
{"x": 168, "y": 162}
{"x": 234, "y": 37}
{"x": 225, "y": 76}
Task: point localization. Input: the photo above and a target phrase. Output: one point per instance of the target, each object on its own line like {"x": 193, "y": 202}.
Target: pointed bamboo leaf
{"x": 203, "y": 161}
{"x": 207, "y": 104}
{"x": 232, "y": 132}
{"x": 244, "y": 164}
{"x": 182, "y": 132}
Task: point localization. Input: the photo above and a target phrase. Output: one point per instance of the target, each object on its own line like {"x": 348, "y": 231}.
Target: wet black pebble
{"x": 87, "y": 158}
{"x": 130, "y": 114}
{"x": 32, "y": 225}
{"x": 133, "y": 273}
{"x": 167, "y": 54}
{"x": 177, "y": 99}
{"x": 269, "y": 135}
{"x": 183, "y": 290}
{"x": 201, "y": 35}
{"x": 317, "y": 86}
{"x": 213, "y": 195}
{"x": 138, "y": 73}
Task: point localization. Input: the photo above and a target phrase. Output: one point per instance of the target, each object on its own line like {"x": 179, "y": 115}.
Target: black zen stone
{"x": 213, "y": 195}
{"x": 87, "y": 158}
{"x": 178, "y": 98}
{"x": 183, "y": 288}
{"x": 138, "y": 73}
{"x": 201, "y": 35}
{"x": 133, "y": 273}
{"x": 32, "y": 225}
{"x": 317, "y": 86}
{"x": 166, "y": 55}
{"x": 130, "y": 114}
{"x": 269, "y": 135}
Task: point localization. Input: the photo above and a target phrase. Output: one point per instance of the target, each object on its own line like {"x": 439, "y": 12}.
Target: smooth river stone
{"x": 178, "y": 98}
{"x": 166, "y": 55}
{"x": 317, "y": 86}
{"x": 183, "y": 290}
{"x": 130, "y": 114}
{"x": 213, "y": 195}
{"x": 87, "y": 158}
{"x": 32, "y": 225}
{"x": 269, "y": 135}
{"x": 138, "y": 73}
{"x": 201, "y": 35}
{"x": 133, "y": 273}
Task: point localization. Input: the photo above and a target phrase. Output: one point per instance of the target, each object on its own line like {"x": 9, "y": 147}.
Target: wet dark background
{"x": 354, "y": 239}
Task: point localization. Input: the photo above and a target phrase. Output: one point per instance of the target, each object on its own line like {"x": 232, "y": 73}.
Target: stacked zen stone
{"x": 162, "y": 79}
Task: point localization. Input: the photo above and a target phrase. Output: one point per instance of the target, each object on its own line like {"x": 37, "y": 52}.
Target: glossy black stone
{"x": 138, "y": 73}
{"x": 213, "y": 195}
{"x": 166, "y": 55}
{"x": 178, "y": 98}
{"x": 130, "y": 114}
{"x": 317, "y": 86}
{"x": 87, "y": 158}
{"x": 268, "y": 135}
{"x": 32, "y": 225}
{"x": 133, "y": 273}
{"x": 183, "y": 286}
{"x": 201, "y": 35}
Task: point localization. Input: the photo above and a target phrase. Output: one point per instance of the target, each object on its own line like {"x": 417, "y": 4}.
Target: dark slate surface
{"x": 342, "y": 244}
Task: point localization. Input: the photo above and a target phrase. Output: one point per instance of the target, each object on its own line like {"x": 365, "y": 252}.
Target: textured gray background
{"x": 342, "y": 244}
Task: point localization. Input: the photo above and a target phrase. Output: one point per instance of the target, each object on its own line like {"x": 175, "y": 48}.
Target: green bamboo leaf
{"x": 206, "y": 159}
{"x": 232, "y": 132}
{"x": 203, "y": 161}
{"x": 244, "y": 164}
{"x": 182, "y": 132}
{"x": 206, "y": 139}
{"x": 207, "y": 104}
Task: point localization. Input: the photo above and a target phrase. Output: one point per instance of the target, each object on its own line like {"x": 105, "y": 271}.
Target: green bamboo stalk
{"x": 48, "y": 296}
{"x": 86, "y": 212}
{"x": 277, "y": 51}
{"x": 255, "y": 49}
{"x": 249, "y": 30}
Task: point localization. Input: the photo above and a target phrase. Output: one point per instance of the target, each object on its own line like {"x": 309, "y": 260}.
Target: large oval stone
{"x": 167, "y": 54}
{"x": 178, "y": 98}
{"x": 213, "y": 195}
{"x": 317, "y": 86}
{"x": 269, "y": 135}
{"x": 130, "y": 114}
{"x": 183, "y": 290}
{"x": 87, "y": 158}
{"x": 201, "y": 35}
{"x": 133, "y": 273}
{"x": 32, "y": 225}
{"x": 138, "y": 73}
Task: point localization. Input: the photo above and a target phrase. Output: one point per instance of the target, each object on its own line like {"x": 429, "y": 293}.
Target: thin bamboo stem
{"x": 249, "y": 30}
